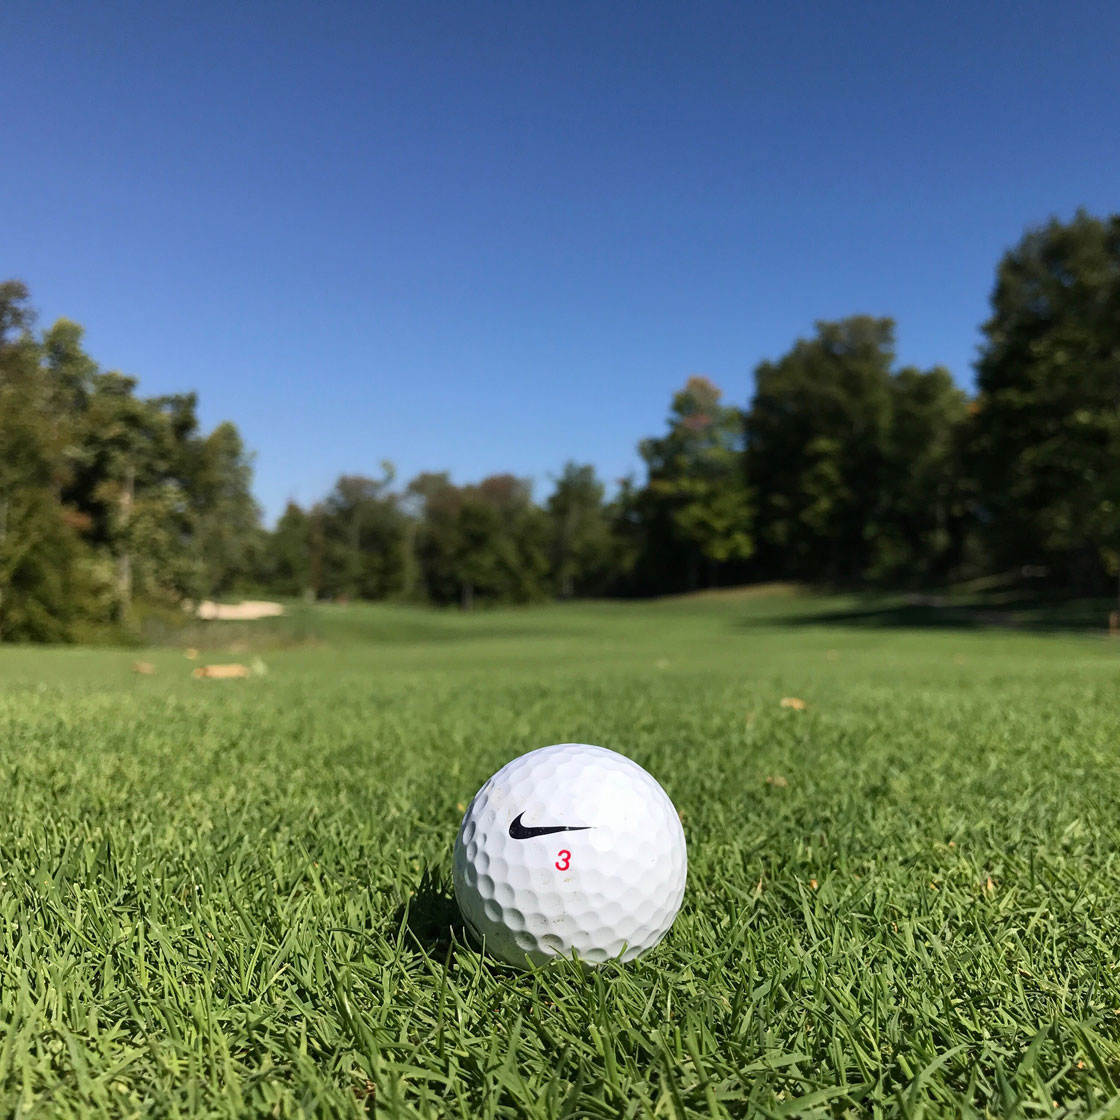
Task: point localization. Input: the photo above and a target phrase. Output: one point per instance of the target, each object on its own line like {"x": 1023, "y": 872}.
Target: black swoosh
{"x": 519, "y": 831}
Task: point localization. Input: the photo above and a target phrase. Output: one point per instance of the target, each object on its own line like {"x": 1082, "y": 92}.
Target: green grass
{"x": 231, "y": 898}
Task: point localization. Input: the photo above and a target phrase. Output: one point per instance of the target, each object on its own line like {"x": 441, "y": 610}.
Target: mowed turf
{"x": 231, "y": 898}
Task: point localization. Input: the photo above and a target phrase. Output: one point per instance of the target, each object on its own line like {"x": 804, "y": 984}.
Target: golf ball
{"x": 570, "y": 850}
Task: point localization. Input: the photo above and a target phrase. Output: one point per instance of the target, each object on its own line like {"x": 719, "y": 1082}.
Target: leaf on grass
{"x": 145, "y": 668}
{"x": 220, "y": 672}
{"x": 989, "y": 886}
{"x": 776, "y": 780}
{"x": 190, "y": 654}
{"x": 813, "y": 884}
{"x": 794, "y": 702}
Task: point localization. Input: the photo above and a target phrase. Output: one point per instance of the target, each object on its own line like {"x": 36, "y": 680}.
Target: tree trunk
{"x": 410, "y": 567}
{"x": 3, "y": 534}
{"x": 124, "y": 558}
{"x": 315, "y": 558}
{"x": 466, "y": 596}
{"x": 356, "y": 555}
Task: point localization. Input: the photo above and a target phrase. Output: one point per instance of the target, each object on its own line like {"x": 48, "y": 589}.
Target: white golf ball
{"x": 570, "y": 849}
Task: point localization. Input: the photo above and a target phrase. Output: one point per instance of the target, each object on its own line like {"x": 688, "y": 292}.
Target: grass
{"x": 230, "y": 898}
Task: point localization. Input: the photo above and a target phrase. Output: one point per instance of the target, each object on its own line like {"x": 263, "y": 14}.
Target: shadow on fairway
{"x": 919, "y": 612}
{"x": 431, "y": 916}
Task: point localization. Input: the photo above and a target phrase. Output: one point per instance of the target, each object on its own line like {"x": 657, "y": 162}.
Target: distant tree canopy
{"x": 855, "y": 466}
{"x": 1046, "y": 440}
{"x": 106, "y": 496}
{"x": 583, "y": 550}
{"x": 697, "y": 497}
{"x": 842, "y": 468}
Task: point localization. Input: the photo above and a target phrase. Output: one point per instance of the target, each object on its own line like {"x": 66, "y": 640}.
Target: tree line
{"x": 843, "y": 468}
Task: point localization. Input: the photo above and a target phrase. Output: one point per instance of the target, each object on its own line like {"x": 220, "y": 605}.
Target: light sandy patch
{"x": 246, "y": 611}
{"x": 745, "y": 591}
{"x": 220, "y": 672}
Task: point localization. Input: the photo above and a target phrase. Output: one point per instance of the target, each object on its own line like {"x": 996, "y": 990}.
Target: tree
{"x": 169, "y": 508}
{"x": 43, "y": 586}
{"x": 1047, "y": 428}
{"x": 506, "y": 558}
{"x": 697, "y": 500}
{"x": 482, "y": 542}
{"x": 226, "y": 516}
{"x": 859, "y": 469}
{"x": 288, "y": 553}
{"x": 925, "y": 509}
{"x": 817, "y": 449}
{"x": 107, "y": 496}
{"x": 583, "y": 550}
{"x": 364, "y": 535}
{"x": 139, "y": 465}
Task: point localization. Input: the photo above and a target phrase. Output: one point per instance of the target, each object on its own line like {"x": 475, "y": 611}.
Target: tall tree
{"x": 817, "y": 433}
{"x": 105, "y": 495}
{"x": 482, "y": 542}
{"x": 42, "y": 581}
{"x": 697, "y": 492}
{"x": 924, "y": 512}
{"x": 583, "y": 549}
{"x": 227, "y": 517}
{"x": 364, "y": 536}
{"x": 287, "y": 553}
{"x": 135, "y": 485}
{"x": 1047, "y": 430}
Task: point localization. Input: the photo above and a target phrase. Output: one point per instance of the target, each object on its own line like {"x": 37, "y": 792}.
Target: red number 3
{"x": 564, "y": 860}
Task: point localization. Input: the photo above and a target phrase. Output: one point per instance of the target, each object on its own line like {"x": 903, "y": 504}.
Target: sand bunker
{"x": 239, "y": 612}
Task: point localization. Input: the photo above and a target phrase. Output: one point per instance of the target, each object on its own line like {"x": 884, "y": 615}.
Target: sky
{"x": 489, "y": 237}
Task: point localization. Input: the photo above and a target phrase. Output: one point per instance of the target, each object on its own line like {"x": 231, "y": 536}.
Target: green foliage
{"x": 106, "y": 495}
{"x": 857, "y": 468}
{"x": 487, "y": 541}
{"x": 226, "y": 517}
{"x": 231, "y": 899}
{"x": 843, "y": 470}
{"x": 1047, "y": 450}
{"x": 41, "y": 567}
{"x": 817, "y": 433}
{"x": 696, "y": 476}
{"x": 924, "y": 509}
{"x": 584, "y": 552}
{"x": 360, "y": 539}
{"x": 286, "y": 564}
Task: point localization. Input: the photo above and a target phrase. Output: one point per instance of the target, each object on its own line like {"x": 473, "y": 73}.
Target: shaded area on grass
{"x": 922, "y": 611}
{"x": 430, "y": 916}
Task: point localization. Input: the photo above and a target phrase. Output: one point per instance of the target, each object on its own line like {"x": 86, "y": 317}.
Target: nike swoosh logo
{"x": 519, "y": 831}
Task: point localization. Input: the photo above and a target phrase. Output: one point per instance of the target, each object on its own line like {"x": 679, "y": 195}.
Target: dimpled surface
{"x": 607, "y": 891}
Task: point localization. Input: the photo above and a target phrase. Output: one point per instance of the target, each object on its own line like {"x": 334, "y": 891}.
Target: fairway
{"x": 231, "y": 897}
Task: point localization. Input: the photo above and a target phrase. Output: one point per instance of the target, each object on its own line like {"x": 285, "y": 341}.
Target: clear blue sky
{"x": 493, "y": 236}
